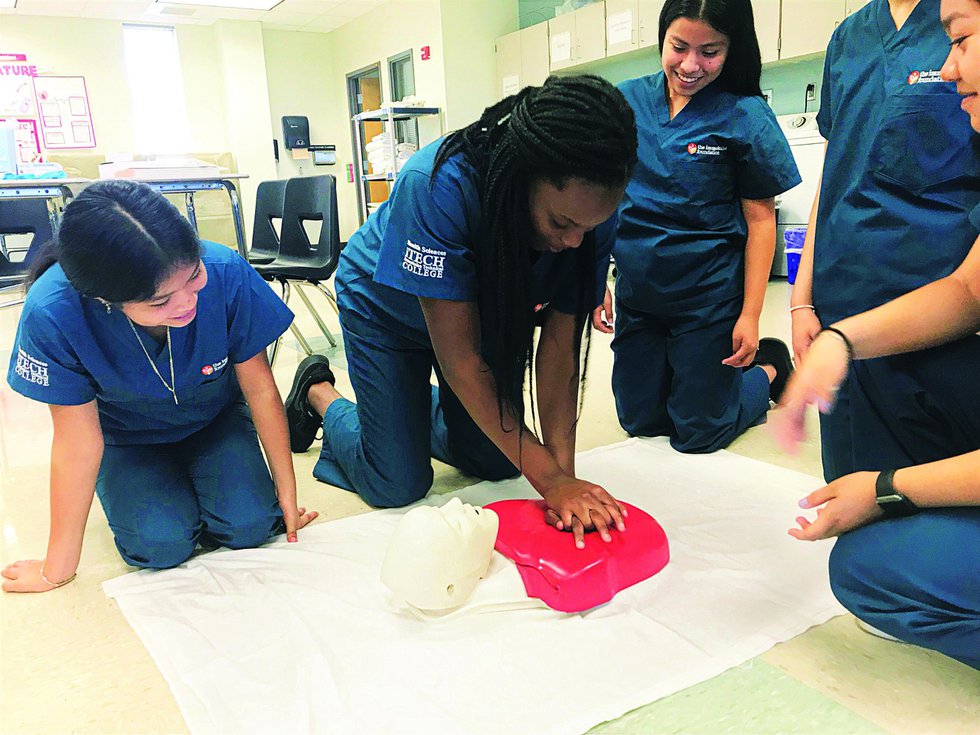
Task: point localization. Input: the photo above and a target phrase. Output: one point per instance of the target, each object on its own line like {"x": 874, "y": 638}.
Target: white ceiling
{"x": 317, "y": 16}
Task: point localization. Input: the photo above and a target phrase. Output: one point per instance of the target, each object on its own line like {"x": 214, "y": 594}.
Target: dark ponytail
{"x": 572, "y": 127}
{"x": 118, "y": 241}
{"x": 743, "y": 67}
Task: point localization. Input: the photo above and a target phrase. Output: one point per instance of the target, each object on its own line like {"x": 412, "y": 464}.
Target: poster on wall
{"x": 16, "y": 89}
{"x": 64, "y": 113}
{"x": 25, "y": 139}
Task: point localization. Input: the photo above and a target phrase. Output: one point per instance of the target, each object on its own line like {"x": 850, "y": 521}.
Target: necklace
{"x": 173, "y": 383}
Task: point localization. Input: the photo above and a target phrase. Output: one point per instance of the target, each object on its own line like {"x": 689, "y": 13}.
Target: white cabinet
{"x": 535, "y": 64}
{"x": 622, "y": 26}
{"x": 766, "y": 14}
{"x": 509, "y": 66}
{"x": 578, "y": 37}
{"x": 807, "y": 25}
{"x": 650, "y": 22}
{"x": 521, "y": 59}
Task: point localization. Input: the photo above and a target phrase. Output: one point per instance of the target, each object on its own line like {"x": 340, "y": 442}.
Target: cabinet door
{"x": 650, "y": 22}
{"x": 561, "y": 41}
{"x": 508, "y": 56}
{"x": 622, "y": 26}
{"x": 852, "y": 6}
{"x": 766, "y": 13}
{"x": 534, "y": 54}
{"x": 590, "y": 32}
{"x": 807, "y": 26}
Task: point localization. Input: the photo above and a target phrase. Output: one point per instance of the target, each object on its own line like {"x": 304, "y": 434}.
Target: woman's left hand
{"x": 745, "y": 342}
{"x": 295, "y": 518}
{"x": 848, "y": 502}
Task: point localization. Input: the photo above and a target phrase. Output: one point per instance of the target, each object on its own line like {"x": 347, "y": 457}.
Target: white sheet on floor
{"x": 304, "y": 637}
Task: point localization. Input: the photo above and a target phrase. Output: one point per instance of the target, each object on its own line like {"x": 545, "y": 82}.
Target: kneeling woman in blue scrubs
{"x": 504, "y": 225}
{"x": 146, "y": 344}
{"x": 696, "y": 236}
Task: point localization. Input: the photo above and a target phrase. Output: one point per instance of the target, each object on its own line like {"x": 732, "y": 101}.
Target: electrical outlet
{"x": 767, "y": 95}
{"x": 811, "y": 92}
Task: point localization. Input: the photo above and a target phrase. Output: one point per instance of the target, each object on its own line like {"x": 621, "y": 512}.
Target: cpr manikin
{"x": 571, "y": 579}
{"x": 436, "y": 556}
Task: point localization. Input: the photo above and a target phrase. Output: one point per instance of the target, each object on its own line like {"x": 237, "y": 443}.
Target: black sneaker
{"x": 302, "y": 420}
{"x": 774, "y": 352}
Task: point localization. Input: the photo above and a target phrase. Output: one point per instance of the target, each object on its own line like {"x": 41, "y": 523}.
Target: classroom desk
{"x": 189, "y": 185}
{"x": 40, "y": 189}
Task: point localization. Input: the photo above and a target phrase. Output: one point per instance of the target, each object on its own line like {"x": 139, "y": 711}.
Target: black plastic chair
{"x": 270, "y": 202}
{"x": 21, "y": 217}
{"x": 309, "y": 198}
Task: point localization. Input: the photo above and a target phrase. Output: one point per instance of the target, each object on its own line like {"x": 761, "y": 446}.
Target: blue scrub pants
{"x": 916, "y": 578}
{"x": 381, "y": 446}
{"x": 213, "y": 488}
{"x": 668, "y": 378}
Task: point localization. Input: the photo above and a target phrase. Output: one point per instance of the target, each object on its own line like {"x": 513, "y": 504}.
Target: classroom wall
{"x": 94, "y": 49}
{"x": 469, "y": 30}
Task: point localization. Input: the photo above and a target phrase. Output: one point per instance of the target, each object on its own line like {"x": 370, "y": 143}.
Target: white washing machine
{"x": 793, "y": 206}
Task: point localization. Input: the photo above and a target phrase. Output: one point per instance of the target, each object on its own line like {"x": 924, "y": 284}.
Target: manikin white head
{"x": 437, "y": 556}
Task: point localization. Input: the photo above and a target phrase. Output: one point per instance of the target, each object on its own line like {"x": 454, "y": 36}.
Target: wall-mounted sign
{"x": 16, "y": 90}
{"x": 64, "y": 113}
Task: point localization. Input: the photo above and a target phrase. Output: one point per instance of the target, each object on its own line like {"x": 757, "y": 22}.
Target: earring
{"x": 106, "y": 304}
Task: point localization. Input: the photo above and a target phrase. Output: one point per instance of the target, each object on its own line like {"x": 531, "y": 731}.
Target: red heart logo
{"x": 207, "y": 370}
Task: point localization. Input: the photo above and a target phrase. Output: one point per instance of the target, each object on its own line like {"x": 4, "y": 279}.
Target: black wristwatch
{"x": 892, "y": 503}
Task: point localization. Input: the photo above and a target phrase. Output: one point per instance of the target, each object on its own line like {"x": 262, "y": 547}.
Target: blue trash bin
{"x": 793, "y": 238}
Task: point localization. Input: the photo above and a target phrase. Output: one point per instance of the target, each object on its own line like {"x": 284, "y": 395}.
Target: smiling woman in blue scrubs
{"x": 504, "y": 225}
{"x": 147, "y": 344}
{"x": 696, "y": 236}
{"x": 892, "y": 212}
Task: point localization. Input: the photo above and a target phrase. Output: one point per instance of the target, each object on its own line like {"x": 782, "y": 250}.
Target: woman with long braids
{"x": 147, "y": 344}
{"x": 696, "y": 236}
{"x": 502, "y": 226}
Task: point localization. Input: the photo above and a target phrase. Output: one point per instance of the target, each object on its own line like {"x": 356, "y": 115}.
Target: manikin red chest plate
{"x": 570, "y": 579}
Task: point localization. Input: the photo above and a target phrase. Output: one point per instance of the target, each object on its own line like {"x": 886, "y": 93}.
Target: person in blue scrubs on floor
{"x": 500, "y": 227}
{"x": 906, "y": 559}
{"x": 148, "y": 346}
{"x": 696, "y": 236}
{"x": 892, "y": 211}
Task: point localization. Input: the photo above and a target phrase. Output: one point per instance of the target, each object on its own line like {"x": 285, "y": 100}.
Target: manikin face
{"x": 175, "y": 302}
{"x": 692, "y": 56}
{"x": 961, "y": 19}
{"x": 561, "y": 217}
{"x": 436, "y": 556}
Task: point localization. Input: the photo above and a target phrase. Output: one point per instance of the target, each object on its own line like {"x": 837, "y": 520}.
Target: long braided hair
{"x": 571, "y": 127}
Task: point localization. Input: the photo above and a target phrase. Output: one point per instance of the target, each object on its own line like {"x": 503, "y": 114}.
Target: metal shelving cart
{"x": 387, "y": 116}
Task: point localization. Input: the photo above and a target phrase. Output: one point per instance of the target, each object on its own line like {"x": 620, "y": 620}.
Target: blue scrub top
{"x": 69, "y": 351}
{"x": 682, "y": 234}
{"x": 422, "y": 241}
{"x": 899, "y": 179}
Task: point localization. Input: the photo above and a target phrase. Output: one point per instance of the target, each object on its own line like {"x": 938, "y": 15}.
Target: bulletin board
{"x": 16, "y": 88}
{"x": 64, "y": 113}
{"x": 26, "y": 139}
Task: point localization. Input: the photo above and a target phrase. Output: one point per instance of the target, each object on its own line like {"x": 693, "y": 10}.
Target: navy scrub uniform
{"x": 171, "y": 475}
{"x": 899, "y": 183}
{"x": 680, "y": 256}
{"x": 421, "y": 243}
{"x": 916, "y": 577}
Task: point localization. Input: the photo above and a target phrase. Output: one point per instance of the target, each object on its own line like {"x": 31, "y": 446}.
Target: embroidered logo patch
{"x": 31, "y": 369}
{"x": 706, "y": 150}
{"x": 541, "y": 307}
{"x": 925, "y": 77}
{"x": 214, "y": 367}
{"x": 422, "y": 261}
